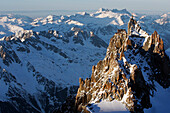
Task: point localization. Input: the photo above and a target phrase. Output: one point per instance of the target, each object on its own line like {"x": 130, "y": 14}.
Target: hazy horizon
{"x": 43, "y": 13}
{"x": 35, "y": 8}
{"x": 22, "y": 5}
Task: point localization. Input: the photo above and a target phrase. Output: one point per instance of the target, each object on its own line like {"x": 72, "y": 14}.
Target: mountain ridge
{"x": 42, "y": 59}
{"x": 115, "y": 78}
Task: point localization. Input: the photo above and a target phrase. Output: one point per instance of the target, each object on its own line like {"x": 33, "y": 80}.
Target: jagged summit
{"x": 83, "y": 13}
{"x": 127, "y": 73}
{"x": 113, "y": 10}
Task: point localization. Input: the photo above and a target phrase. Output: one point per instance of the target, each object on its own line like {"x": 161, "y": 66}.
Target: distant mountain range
{"x": 42, "y": 59}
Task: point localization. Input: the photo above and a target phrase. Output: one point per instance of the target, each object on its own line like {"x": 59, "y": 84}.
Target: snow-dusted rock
{"x": 128, "y": 81}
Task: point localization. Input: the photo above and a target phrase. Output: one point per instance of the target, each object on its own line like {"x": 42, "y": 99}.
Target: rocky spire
{"x": 116, "y": 77}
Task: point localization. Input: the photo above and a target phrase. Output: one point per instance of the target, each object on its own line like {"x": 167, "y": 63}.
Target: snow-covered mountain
{"x": 103, "y": 23}
{"x": 134, "y": 76}
{"x": 43, "y": 63}
{"x": 43, "y": 58}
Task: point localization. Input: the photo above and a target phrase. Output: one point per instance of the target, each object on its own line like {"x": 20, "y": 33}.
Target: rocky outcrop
{"x": 153, "y": 45}
{"x": 118, "y": 77}
{"x": 8, "y": 55}
{"x": 108, "y": 80}
{"x": 81, "y": 36}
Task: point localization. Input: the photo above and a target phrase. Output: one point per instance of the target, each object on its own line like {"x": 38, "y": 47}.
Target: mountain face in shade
{"x": 134, "y": 63}
{"x": 32, "y": 64}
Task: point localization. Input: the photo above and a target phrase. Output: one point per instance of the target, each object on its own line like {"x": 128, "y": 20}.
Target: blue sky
{"x": 152, "y": 5}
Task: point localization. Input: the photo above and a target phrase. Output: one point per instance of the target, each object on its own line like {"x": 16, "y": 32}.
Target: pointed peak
{"x": 102, "y": 9}
{"x": 155, "y": 32}
{"x": 122, "y": 11}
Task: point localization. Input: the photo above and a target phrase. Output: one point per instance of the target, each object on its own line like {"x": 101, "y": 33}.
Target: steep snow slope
{"x": 160, "y": 101}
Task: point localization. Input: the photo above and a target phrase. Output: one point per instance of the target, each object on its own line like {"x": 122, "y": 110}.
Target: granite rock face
{"x": 127, "y": 71}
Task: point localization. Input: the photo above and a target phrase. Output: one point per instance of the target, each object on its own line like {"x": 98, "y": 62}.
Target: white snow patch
{"x": 113, "y": 72}
{"x": 132, "y": 68}
{"x": 113, "y": 22}
{"x": 108, "y": 14}
{"x": 2, "y": 33}
{"x": 135, "y": 33}
{"x": 124, "y": 60}
{"x": 75, "y": 29}
{"x": 142, "y": 16}
{"x": 120, "y": 20}
{"x": 11, "y": 28}
{"x": 106, "y": 106}
{"x": 2, "y": 39}
{"x": 146, "y": 38}
{"x": 82, "y": 13}
{"x": 74, "y": 22}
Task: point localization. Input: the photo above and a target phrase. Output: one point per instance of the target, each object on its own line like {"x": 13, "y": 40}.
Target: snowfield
{"x": 160, "y": 101}
{"x": 108, "y": 107}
